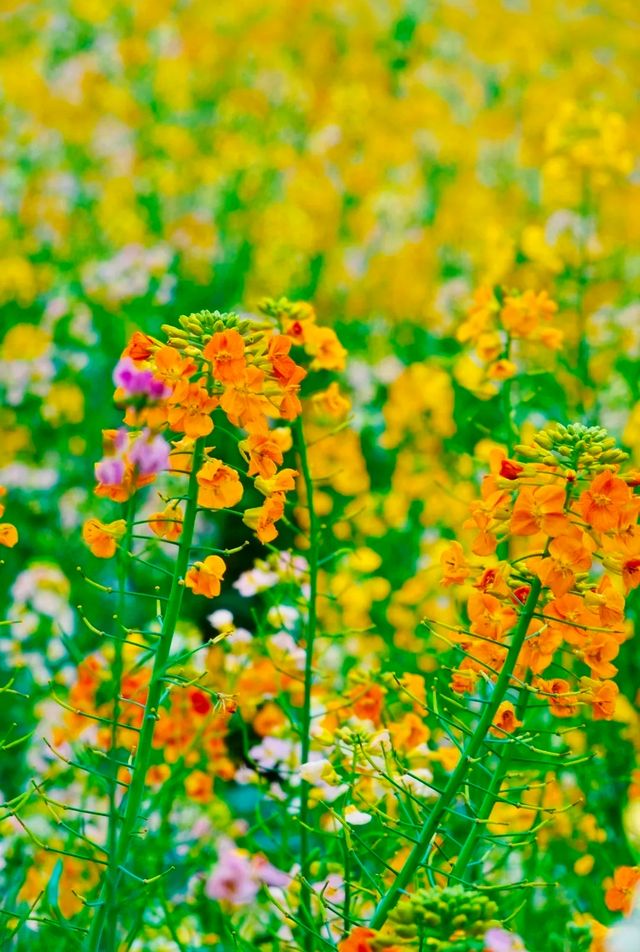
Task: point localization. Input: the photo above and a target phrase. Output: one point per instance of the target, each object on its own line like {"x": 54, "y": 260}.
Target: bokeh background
{"x": 382, "y": 158}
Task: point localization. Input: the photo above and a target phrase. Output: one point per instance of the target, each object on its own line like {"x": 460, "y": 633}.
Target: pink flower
{"x": 233, "y": 879}
{"x": 149, "y": 454}
{"x": 137, "y": 382}
{"x": 110, "y": 470}
{"x": 499, "y": 940}
{"x": 237, "y": 877}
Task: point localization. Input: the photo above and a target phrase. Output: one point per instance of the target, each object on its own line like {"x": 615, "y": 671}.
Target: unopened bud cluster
{"x": 195, "y": 330}
{"x": 585, "y": 449}
{"x": 444, "y": 919}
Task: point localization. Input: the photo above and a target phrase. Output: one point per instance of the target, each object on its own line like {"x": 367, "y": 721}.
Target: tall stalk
{"x": 457, "y": 778}
{"x": 488, "y": 801}
{"x": 111, "y": 897}
{"x": 136, "y": 790}
{"x": 305, "y": 725}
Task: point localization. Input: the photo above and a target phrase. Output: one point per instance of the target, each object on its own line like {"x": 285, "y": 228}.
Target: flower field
{"x": 319, "y": 476}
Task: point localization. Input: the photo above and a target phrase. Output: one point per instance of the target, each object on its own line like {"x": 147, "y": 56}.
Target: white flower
{"x": 318, "y": 772}
{"x": 418, "y": 782}
{"x": 285, "y": 650}
{"x": 255, "y": 580}
{"x": 283, "y": 616}
{"x": 220, "y": 619}
{"x": 272, "y": 751}
{"x": 355, "y": 817}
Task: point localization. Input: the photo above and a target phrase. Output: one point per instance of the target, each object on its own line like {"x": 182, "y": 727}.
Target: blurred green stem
{"x": 95, "y": 940}
{"x": 305, "y": 725}
{"x": 111, "y": 897}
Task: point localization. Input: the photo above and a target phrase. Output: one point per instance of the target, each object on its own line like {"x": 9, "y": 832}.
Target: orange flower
{"x": 539, "y": 510}
{"x": 510, "y": 469}
{"x": 540, "y": 647}
{"x": 158, "y": 774}
{"x": 204, "y": 578}
{"x": 220, "y": 486}
{"x": 8, "y": 535}
{"x": 505, "y": 720}
{"x": 409, "y": 733}
{"x": 600, "y": 504}
{"x": 608, "y": 602}
{"x": 568, "y": 554}
{"x": 631, "y": 573}
{"x": 225, "y": 351}
{"x": 487, "y": 655}
{"x": 601, "y": 696}
{"x": 245, "y": 403}
{"x": 522, "y": 313}
{"x": 323, "y": 345}
{"x": 101, "y": 537}
{"x": 493, "y": 580}
{"x": 561, "y": 703}
{"x": 489, "y": 617}
{"x": 269, "y": 720}
{"x": 598, "y": 653}
{"x": 358, "y": 941}
{"x": 263, "y": 453}
{"x": 479, "y": 315}
{"x": 172, "y": 366}
{"x": 262, "y": 518}
{"x": 572, "y": 618}
{"x": 485, "y": 542}
{"x": 283, "y": 366}
{"x": 282, "y": 482}
{"x": 181, "y": 455}
{"x": 190, "y": 406}
{"x": 487, "y": 515}
{"x": 330, "y": 404}
{"x": 619, "y": 894}
{"x": 367, "y": 704}
{"x": 289, "y": 405}
{"x": 199, "y": 786}
{"x": 168, "y": 523}
{"x": 464, "y": 680}
{"x": 454, "y": 564}
{"x": 140, "y": 347}
{"x": 623, "y": 556}
{"x": 502, "y": 370}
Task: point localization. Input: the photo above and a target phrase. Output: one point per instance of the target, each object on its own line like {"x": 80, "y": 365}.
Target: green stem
{"x": 511, "y": 431}
{"x": 305, "y": 725}
{"x": 582, "y": 281}
{"x": 470, "y": 752}
{"x": 489, "y": 799}
{"x": 141, "y": 764}
{"x": 111, "y": 898}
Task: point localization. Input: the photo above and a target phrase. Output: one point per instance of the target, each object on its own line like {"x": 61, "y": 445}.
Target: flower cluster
{"x": 500, "y": 324}
{"x": 560, "y": 513}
